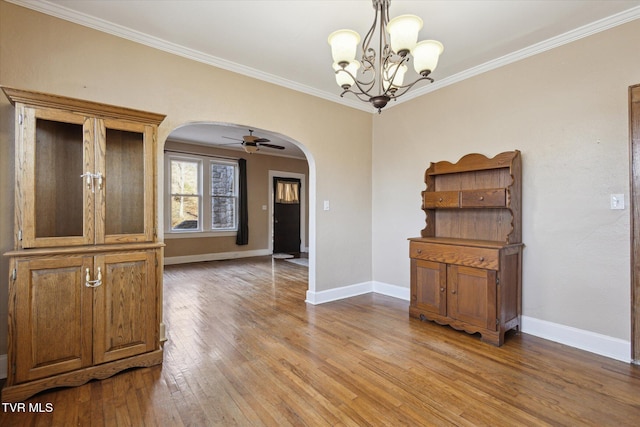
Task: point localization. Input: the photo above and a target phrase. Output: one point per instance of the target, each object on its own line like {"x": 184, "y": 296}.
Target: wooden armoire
{"x": 466, "y": 267}
{"x": 85, "y": 285}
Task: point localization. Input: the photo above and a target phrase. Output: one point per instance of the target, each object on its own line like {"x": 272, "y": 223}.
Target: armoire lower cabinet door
{"x": 51, "y": 332}
{"x": 124, "y": 314}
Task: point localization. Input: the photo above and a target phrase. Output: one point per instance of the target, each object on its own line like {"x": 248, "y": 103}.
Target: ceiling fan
{"x": 252, "y": 143}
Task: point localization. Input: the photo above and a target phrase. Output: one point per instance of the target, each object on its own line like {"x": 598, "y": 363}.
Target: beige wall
{"x": 567, "y": 111}
{"x": 258, "y": 167}
{"x": 39, "y": 52}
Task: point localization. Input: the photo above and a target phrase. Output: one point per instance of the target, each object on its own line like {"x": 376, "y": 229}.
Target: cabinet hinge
{"x": 497, "y": 280}
{"x": 14, "y": 275}
{"x": 20, "y": 235}
{"x": 20, "y": 118}
{"x": 497, "y": 322}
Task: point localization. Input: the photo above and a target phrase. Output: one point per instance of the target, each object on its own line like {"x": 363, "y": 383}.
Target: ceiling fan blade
{"x": 261, "y": 140}
{"x": 277, "y": 147}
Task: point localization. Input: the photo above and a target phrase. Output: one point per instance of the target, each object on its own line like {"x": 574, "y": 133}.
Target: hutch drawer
{"x": 460, "y": 255}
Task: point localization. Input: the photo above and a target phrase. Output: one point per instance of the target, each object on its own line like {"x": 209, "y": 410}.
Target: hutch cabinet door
{"x": 54, "y": 150}
{"x": 125, "y": 200}
{"x": 429, "y": 286}
{"x": 125, "y": 305}
{"x": 52, "y": 328}
{"x": 472, "y": 296}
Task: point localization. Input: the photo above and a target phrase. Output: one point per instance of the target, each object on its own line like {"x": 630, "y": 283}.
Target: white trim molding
{"x": 593, "y": 342}
{"x": 357, "y": 289}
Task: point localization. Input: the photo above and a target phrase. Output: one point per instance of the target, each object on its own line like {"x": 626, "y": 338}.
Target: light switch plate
{"x": 617, "y": 201}
{"x": 326, "y": 205}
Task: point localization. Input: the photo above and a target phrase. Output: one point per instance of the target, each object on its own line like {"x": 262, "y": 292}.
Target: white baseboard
{"x": 3, "y": 366}
{"x": 392, "y": 290}
{"x": 593, "y": 342}
{"x": 339, "y": 293}
{"x": 603, "y": 345}
{"x": 215, "y": 256}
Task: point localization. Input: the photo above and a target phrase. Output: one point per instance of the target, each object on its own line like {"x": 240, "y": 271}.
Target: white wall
{"x": 567, "y": 111}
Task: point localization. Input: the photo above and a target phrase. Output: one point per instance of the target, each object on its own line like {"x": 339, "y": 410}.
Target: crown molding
{"x": 195, "y": 55}
{"x": 552, "y": 43}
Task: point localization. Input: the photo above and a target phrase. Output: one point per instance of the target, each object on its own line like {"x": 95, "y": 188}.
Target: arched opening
{"x": 192, "y": 234}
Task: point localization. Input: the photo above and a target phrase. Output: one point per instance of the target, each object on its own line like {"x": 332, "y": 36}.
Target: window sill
{"x": 197, "y": 234}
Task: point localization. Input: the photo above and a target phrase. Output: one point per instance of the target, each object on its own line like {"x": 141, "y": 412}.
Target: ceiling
{"x": 285, "y": 42}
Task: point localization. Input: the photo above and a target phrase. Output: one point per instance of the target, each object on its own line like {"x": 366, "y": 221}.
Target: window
{"x": 192, "y": 177}
{"x": 224, "y": 200}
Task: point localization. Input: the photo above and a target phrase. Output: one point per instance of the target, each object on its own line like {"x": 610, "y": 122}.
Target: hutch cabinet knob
{"x": 419, "y": 251}
{"x": 453, "y": 291}
{"x": 441, "y": 289}
{"x": 440, "y": 199}
{"x": 481, "y": 197}
{"x": 481, "y": 258}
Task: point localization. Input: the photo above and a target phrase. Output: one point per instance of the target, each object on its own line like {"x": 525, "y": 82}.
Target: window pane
{"x": 184, "y": 212}
{"x": 222, "y": 180}
{"x": 223, "y": 211}
{"x": 184, "y": 177}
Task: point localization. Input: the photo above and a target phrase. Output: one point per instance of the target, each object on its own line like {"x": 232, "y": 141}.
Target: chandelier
{"x": 382, "y": 76}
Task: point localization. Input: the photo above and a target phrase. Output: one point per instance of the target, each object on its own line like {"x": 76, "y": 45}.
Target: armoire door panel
{"x": 53, "y": 328}
{"x": 124, "y": 305}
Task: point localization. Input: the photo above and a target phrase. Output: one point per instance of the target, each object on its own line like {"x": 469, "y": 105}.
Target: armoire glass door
{"x": 125, "y": 202}
{"x": 56, "y": 154}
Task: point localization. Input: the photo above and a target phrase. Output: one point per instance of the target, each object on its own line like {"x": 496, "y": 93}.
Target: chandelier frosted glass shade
{"x": 345, "y": 80}
{"x": 394, "y": 73}
{"x": 344, "y": 44}
{"x": 426, "y": 55}
{"x": 404, "y": 33}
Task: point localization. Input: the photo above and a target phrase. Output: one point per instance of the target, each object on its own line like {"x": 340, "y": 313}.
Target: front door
{"x": 286, "y": 216}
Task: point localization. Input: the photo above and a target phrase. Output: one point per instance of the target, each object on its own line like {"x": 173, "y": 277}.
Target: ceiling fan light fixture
{"x": 250, "y": 148}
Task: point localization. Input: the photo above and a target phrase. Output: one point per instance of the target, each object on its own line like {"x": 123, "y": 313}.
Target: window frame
{"x": 205, "y": 194}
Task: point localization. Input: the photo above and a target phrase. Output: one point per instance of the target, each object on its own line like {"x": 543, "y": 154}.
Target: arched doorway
{"x": 203, "y": 144}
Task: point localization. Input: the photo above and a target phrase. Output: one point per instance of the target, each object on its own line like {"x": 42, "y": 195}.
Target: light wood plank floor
{"x": 244, "y": 349}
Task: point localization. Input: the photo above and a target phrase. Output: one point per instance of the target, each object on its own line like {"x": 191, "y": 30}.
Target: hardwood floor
{"x": 244, "y": 349}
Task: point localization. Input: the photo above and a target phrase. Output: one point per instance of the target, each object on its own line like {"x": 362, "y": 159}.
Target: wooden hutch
{"x": 85, "y": 285}
{"x": 466, "y": 268}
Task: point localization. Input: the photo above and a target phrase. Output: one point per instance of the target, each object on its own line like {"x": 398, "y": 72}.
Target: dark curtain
{"x": 242, "y": 238}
